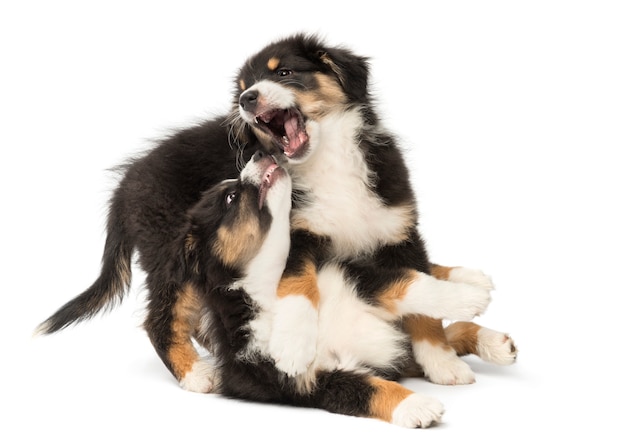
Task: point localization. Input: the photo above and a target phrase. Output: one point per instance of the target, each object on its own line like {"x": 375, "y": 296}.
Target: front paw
{"x": 293, "y": 340}
{"x": 470, "y": 301}
{"x": 444, "y": 299}
{"x": 472, "y": 277}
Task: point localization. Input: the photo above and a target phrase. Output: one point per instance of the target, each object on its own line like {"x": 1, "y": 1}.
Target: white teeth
{"x": 285, "y": 139}
{"x": 267, "y": 178}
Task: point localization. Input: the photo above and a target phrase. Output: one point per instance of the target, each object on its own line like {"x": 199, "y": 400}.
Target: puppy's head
{"x": 233, "y": 219}
{"x": 293, "y": 83}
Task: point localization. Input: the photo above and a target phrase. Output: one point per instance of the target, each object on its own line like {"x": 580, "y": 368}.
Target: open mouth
{"x": 270, "y": 176}
{"x": 286, "y": 126}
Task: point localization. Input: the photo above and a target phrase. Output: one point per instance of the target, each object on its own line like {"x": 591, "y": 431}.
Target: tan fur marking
{"x": 302, "y": 284}
{"x": 387, "y": 396}
{"x": 390, "y": 296}
{"x": 233, "y": 248}
{"x": 327, "y": 97}
{"x": 421, "y": 328}
{"x": 440, "y": 272}
{"x": 273, "y": 63}
{"x": 242, "y": 84}
{"x": 463, "y": 337}
{"x": 182, "y": 353}
{"x": 236, "y": 244}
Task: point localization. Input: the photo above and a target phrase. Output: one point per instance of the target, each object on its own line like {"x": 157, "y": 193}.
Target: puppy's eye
{"x": 284, "y": 72}
{"x": 230, "y": 198}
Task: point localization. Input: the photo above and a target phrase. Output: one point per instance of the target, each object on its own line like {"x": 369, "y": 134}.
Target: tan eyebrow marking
{"x": 273, "y": 63}
{"x": 242, "y": 84}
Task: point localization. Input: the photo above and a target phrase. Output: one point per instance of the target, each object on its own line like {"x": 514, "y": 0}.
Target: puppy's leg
{"x": 414, "y": 293}
{"x": 173, "y": 315}
{"x": 492, "y": 346}
{"x": 459, "y": 274}
{"x": 367, "y": 396}
{"x": 470, "y": 338}
{"x": 439, "y": 361}
{"x": 293, "y": 339}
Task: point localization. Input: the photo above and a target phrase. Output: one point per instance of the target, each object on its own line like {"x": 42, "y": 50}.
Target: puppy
{"x": 232, "y": 254}
{"x": 307, "y": 104}
{"x": 146, "y": 212}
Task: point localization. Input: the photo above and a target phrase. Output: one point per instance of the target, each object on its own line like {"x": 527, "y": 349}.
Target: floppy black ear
{"x": 351, "y": 70}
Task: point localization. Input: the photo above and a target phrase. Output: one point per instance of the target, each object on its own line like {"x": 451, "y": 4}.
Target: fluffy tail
{"x": 109, "y": 288}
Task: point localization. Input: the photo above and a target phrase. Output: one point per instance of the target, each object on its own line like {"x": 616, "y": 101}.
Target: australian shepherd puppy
{"x": 232, "y": 254}
{"x": 308, "y": 105}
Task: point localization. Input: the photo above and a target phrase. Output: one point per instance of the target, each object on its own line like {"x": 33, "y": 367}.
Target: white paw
{"x": 496, "y": 347}
{"x": 468, "y": 302}
{"x": 472, "y": 277}
{"x": 202, "y": 378}
{"x": 417, "y": 411}
{"x": 441, "y": 365}
{"x": 293, "y": 340}
{"x": 444, "y": 299}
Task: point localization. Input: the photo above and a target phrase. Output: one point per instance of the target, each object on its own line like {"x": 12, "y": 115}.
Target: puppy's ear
{"x": 351, "y": 70}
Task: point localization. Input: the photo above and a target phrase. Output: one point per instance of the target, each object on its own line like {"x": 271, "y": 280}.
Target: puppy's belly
{"x": 351, "y": 332}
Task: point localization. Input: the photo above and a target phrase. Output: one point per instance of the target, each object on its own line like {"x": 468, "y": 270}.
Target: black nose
{"x": 248, "y": 100}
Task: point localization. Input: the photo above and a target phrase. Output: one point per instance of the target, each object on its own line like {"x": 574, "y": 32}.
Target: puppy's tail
{"x": 108, "y": 289}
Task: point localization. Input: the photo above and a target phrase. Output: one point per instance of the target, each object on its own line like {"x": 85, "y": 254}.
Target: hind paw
{"x": 417, "y": 411}
{"x": 202, "y": 378}
{"x": 496, "y": 347}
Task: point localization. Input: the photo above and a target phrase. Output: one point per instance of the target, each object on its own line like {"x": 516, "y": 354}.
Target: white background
{"x": 513, "y": 115}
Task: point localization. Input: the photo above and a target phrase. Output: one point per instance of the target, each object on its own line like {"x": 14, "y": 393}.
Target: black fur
{"x": 146, "y": 212}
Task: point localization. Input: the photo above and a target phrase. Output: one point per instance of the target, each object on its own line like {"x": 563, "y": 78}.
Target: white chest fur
{"x": 263, "y": 273}
{"x": 340, "y": 202}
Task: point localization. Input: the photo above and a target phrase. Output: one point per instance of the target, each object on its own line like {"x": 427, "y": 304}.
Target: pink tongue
{"x": 291, "y": 131}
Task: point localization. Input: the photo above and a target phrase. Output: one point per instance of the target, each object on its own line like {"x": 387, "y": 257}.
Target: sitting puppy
{"x": 233, "y": 251}
{"x": 309, "y": 104}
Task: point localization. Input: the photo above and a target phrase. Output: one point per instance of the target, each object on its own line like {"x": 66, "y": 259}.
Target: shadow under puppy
{"x": 232, "y": 253}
